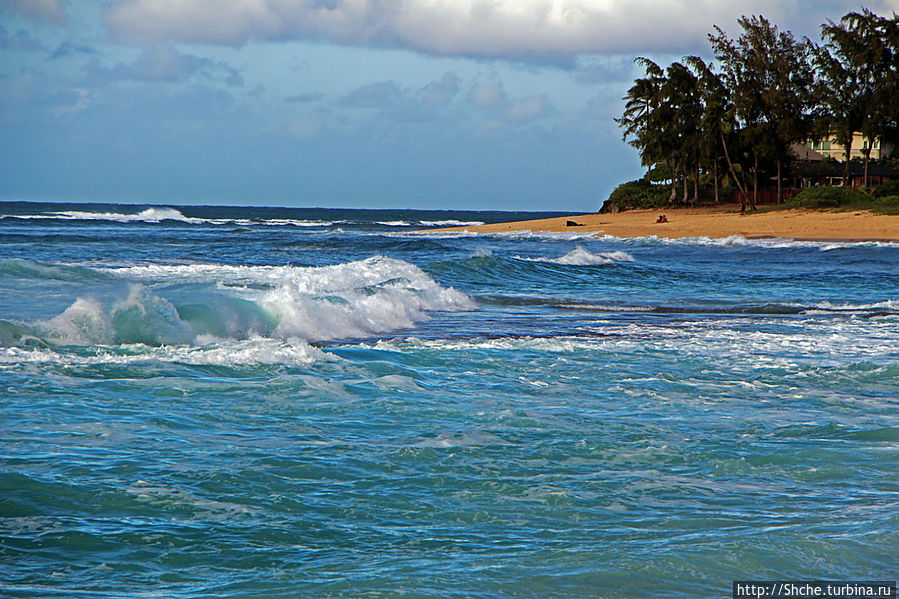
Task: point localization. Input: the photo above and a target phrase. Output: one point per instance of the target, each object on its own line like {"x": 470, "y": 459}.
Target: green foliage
{"x": 638, "y": 194}
{"x": 886, "y": 204}
{"x": 828, "y": 197}
{"x": 890, "y": 188}
{"x": 659, "y": 173}
{"x": 847, "y": 198}
{"x": 768, "y": 90}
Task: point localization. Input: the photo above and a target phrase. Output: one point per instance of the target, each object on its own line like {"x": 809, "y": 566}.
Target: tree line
{"x": 695, "y": 120}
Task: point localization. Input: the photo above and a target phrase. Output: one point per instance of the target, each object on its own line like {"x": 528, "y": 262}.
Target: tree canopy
{"x": 768, "y": 91}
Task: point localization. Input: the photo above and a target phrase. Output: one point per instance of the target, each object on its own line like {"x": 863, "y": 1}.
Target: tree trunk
{"x": 695, "y": 184}
{"x": 848, "y": 155}
{"x": 754, "y": 204}
{"x": 730, "y": 165}
{"x": 780, "y": 192}
{"x": 686, "y": 177}
{"x": 867, "y": 157}
{"x": 715, "y": 178}
{"x": 673, "y": 175}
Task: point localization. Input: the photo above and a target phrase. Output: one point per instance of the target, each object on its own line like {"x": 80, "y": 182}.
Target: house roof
{"x": 803, "y": 152}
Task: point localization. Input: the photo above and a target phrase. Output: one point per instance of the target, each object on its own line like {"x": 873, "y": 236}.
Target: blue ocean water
{"x": 252, "y": 402}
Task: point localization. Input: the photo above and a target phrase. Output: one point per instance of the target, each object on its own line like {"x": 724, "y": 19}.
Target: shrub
{"x": 890, "y": 188}
{"x": 887, "y": 204}
{"x": 637, "y": 194}
{"x": 828, "y": 197}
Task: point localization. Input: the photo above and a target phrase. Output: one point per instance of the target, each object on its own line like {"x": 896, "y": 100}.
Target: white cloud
{"x": 39, "y": 10}
{"x": 439, "y": 93}
{"x": 522, "y": 110}
{"x": 491, "y": 97}
{"x": 396, "y": 103}
{"x": 163, "y": 63}
{"x": 489, "y": 28}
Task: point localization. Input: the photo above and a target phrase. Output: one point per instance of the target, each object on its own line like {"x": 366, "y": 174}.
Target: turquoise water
{"x": 238, "y": 402}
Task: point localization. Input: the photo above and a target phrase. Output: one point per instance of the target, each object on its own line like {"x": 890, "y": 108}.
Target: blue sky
{"x": 457, "y": 104}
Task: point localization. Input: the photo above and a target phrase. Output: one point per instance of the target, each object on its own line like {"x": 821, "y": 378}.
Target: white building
{"x": 830, "y": 148}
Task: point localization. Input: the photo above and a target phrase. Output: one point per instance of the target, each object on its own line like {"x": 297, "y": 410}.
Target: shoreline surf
{"x": 715, "y": 222}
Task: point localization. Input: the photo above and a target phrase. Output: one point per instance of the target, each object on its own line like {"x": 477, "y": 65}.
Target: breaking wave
{"x": 582, "y": 257}
{"x": 201, "y": 304}
{"x": 451, "y": 223}
{"x": 150, "y": 215}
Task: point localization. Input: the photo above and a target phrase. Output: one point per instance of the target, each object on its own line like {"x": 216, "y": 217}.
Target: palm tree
{"x": 770, "y": 80}
{"x": 645, "y": 116}
{"x": 717, "y": 121}
{"x": 840, "y": 90}
{"x": 869, "y": 46}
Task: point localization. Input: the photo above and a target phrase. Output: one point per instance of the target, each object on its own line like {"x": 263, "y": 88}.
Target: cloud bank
{"x": 51, "y": 11}
{"x": 485, "y": 28}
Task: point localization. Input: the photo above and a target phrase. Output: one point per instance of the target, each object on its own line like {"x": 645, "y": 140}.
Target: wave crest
{"x": 580, "y": 256}
{"x": 214, "y": 302}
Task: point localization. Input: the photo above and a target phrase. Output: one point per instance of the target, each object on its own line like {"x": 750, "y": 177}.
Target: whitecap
{"x": 450, "y": 223}
{"x": 248, "y": 352}
{"x": 582, "y": 257}
{"x": 343, "y": 301}
{"x": 151, "y": 215}
{"x": 280, "y": 222}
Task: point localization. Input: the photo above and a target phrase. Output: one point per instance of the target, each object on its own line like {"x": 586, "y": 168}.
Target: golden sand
{"x": 719, "y": 221}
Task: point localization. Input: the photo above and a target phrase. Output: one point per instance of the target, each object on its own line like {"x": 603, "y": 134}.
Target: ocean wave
{"x": 504, "y": 235}
{"x": 394, "y": 223}
{"x": 582, "y": 257}
{"x": 211, "y": 302}
{"x": 888, "y": 305}
{"x": 158, "y": 215}
{"x": 21, "y": 268}
{"x": 281, "y": 222}
{"x": 150, "y": 215}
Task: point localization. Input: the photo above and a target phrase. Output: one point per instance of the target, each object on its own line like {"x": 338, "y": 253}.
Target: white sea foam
{"x": 223, "y": 353}
{"x": 804, "y": 347}
{"x": 450, "y": 223}
{"x": 740, "y": 241}
{"x": 463, "y": 439}
{"x": 522, "y": 234}
{"x": 582, "y": 257}
{"x": 541, "y": 344}
{"x": 885, "y": 305}
{"x": 280, "y": 222}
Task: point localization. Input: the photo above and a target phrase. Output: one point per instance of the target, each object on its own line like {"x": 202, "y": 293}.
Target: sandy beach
{"x": 719, "y": 221}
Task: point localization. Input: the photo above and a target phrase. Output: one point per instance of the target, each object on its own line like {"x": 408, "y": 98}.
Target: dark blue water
{"x": 260, "y": 402}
